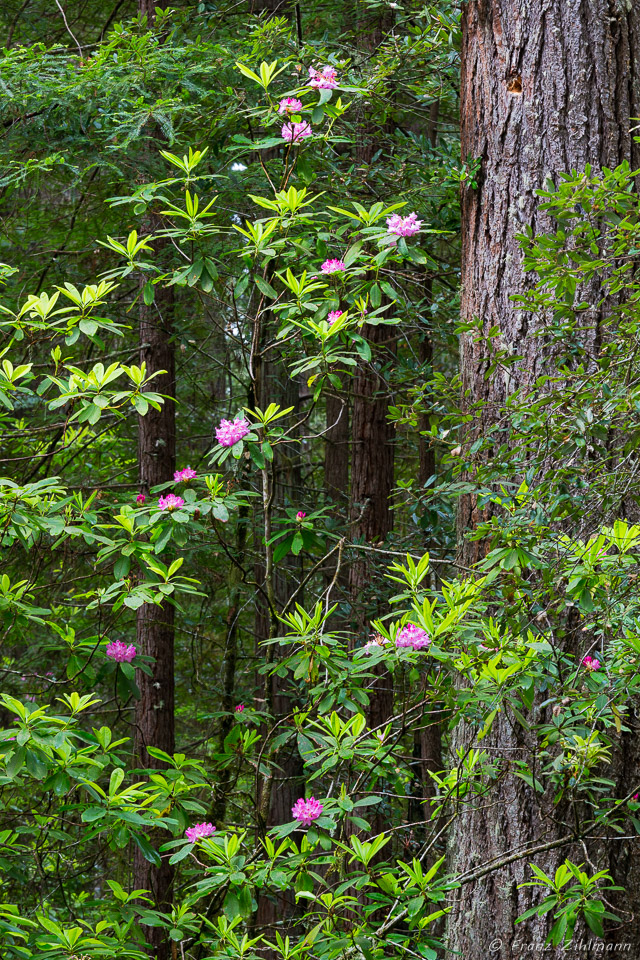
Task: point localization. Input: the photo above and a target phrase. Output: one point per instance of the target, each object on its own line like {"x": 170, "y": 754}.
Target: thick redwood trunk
{"x": 547, "y": 86}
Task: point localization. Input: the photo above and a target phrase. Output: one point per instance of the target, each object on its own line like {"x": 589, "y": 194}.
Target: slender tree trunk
{"x": 372, "y": 461}
{"x": 224, "y": 786}
{"x": 279, "y": 8}
{"x": 155, "y": 624}
{"x": 427, "y": 460}
{"x": 148, "y": 8}
{"x": 286, "y": 783}
{"x": 372, "y": 478}
{"x": 336, "y": 485}
{"x": 547, "y": 86}
{"x": 336, "y": 451}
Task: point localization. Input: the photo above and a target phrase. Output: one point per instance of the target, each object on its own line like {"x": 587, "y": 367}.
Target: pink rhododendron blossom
{"x": 230, "y": 431}
{"x": 412, "y": 636}
{"x": 306, "y": 811}
{"x": 300, "y": 515}
{"x": 170, "y": 502}
{"x": 333, "y": 266}
{"x": 403, "y": 226}
{"x": 240, "y": 708}
{"x": 289, "y": 105}
{"x": 591, "y": 663}
{"x": 296, "y": 131}
{"x": 140, "y": 498}
{"x": 199, "y": 831}
{"x": 120, "y": 652}
{"x": 324, "y": 79}
{"x": 188, "y": 473}
{"x": 635, "y": 797}
{"x": 334, "y": 315}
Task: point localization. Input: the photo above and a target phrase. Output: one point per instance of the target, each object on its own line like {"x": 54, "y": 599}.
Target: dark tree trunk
{"x": 155, "y": 624}
{"x": 371, "y": 460}
{"x": 228, "y": 777}
{"x": 336, "y": 486}
{"x": 272, "y": 7}
{"x": 286, "y": 783}
{"x": 427, "y": 459}
{"x": 372, "y": 475}
{"x": 155, "y": 719}
{"x": 547, "y": 86}
{"x": 148, "y": 8}
{"x": 336, "y": 451}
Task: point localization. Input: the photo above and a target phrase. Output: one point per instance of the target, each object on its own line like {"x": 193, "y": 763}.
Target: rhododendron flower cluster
{"x": 188, "y": 473}
{"x": 120, "y": 652}
{"x": 296, "y": 131}
{"x": 199, "y": 831}
{"x": 170, "y": 502}
{"x": 403, "y": 226}
{"x": 140, "y": 498}
{"x": 230, "y": 431}
{"x": 239, "y": 708}
{"x": 323, "y": 79}
{"x": 333, "y": 266}
{"x": 300, "y": 515}
{"x": 412, "y": 636}
{"x": 591, "y": 663}
{"x": 306, "y": 811}
{"x": 334, "y": 315}
{"x": 289, "y": 105}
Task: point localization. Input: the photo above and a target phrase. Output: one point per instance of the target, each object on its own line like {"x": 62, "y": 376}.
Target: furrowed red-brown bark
{"x": 286, "y": 783}
{"x": 372, "y": 476}
{"x": 155, "y": 632}
{"x": 547, "y": 86}
{"x": 155, "y": 624}
{"x": 372, "y": 459}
